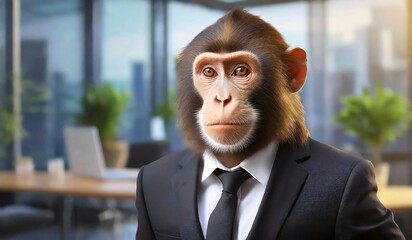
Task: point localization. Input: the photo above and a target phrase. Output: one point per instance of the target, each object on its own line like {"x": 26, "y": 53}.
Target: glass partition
{"x": 2, "y": 73}
{"x": 126, "y": 60}
{"x": 366, "y": 45}
{"x": 2, "y": 42}
{"x": 52, "y": 67}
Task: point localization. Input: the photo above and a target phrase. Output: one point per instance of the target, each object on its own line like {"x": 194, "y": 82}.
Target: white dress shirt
{"x": 250, "y": 194}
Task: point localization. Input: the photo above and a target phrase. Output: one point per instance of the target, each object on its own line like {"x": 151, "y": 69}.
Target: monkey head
{"x": 237, "y": 87}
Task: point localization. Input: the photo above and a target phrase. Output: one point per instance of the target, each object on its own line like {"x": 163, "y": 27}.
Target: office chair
{"x": 142, "y": 153}
{"x": 21, "y": 218}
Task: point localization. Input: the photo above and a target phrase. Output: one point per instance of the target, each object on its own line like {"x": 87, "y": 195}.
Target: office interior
{"x": 67, "y": 47}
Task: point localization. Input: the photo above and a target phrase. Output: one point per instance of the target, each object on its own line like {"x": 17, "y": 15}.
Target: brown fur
{"x": 281, "y": 112}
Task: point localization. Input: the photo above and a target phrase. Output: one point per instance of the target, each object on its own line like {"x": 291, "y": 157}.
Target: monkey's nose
{"x": 224, "y": 100}
{"x": 223, "y": 95}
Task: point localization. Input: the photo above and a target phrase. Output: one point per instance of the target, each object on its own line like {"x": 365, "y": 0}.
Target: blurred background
{"x": 71, "y": 48}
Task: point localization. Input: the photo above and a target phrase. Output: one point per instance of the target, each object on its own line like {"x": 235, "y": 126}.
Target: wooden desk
{"x": 396, "y": 198}
{"x": 68, "y": 185}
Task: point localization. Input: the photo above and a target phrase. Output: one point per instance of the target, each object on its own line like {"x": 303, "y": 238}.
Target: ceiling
{"x": 46, "y": 8}
{"x": 228, "y": 4}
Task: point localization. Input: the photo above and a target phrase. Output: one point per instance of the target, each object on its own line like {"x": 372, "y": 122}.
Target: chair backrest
{"x": 21, "y": 218}
{"x": 142, "y": 153}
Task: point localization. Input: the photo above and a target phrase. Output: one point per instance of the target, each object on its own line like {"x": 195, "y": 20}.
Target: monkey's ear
{"x": 297, "y": 67}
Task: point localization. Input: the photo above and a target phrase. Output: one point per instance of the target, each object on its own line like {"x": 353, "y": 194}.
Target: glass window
{"x": 52, "y": 60}
{"x": 2, "y": 72}
{"x": 125, "y": 60}
{"x": 290, "y": 19}
{"x": 2, "y": 47}
{"x": 365, "y": 49}
{"x": 2, "y": 42}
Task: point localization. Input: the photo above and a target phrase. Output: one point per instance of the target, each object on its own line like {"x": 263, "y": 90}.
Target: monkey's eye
{"x": 241, "y": 71}
{"x": 209, "y": 72}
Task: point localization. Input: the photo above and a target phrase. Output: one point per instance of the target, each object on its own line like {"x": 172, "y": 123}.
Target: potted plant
{"x": 376, "y": 117}
{"x": 103, "y": 106}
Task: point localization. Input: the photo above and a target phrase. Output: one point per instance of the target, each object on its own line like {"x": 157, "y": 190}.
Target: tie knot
{"x": 232, "y": 180}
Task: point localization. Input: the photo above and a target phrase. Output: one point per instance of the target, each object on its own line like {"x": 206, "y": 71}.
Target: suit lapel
{"x": 185, "y": 184}
{"x": 285, "y": 182}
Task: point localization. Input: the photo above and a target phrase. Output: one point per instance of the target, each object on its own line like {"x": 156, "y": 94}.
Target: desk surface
{"x": 69, "y": 185}
{"x": 396, "y": 198}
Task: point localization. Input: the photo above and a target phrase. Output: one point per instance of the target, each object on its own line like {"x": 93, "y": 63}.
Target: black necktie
{"x": 220, "y": 226}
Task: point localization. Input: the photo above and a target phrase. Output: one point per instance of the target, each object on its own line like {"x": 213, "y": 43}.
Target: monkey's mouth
{"x": 224, "y": 127}
{"x": 227, "y": 133}
{"x": 227, "y": 127}
{"x": 230, "y": 132}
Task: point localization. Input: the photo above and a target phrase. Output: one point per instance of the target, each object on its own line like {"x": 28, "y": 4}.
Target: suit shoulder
{"x": 326, "y": 156}
{"x": 318, "y": 148}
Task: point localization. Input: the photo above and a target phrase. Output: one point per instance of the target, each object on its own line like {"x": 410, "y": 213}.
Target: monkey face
{"x": 237, "y": 87}
{"x": 224, "y": 81}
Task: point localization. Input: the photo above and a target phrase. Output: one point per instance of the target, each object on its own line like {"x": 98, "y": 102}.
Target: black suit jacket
{"x": 314, "y": 192}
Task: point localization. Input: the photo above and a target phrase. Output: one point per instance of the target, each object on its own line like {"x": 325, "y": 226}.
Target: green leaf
{"x": 102, "y": 106}
{"x": 377, "y": 117}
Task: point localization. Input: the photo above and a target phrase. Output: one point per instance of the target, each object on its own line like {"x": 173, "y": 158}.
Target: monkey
{"x": 240, "y": 114}
{"x": 243, "y": 123}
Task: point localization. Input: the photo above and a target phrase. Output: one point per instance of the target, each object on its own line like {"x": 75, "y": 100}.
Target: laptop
{"x": 86, "y": 157}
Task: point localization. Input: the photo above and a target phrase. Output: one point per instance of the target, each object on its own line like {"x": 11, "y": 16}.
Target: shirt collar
{"x": 259, "y": 165}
